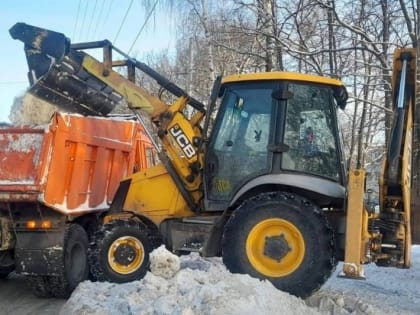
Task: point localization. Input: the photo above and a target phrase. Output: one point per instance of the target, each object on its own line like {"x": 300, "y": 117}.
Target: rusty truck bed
{"x": 74, "y": 164}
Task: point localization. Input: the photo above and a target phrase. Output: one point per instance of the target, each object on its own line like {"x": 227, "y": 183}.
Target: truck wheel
{"x": 7, "y": 264}
{"x": 283, "y": 238}
{"x": 5, "y": 271}
{"x": 120, "y": 252}
{"x": 75, "y": 268}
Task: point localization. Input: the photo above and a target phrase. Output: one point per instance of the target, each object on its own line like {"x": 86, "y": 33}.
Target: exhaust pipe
{"x": 56, "y": 74}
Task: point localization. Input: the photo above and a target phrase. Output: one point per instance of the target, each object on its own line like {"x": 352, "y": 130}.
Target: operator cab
{"x": 276, "y": 129}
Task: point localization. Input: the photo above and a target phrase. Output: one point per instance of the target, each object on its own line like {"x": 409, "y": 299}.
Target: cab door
{"x": 242, "y": 131}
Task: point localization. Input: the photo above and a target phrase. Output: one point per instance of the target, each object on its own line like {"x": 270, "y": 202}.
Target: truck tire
{"x": 5, "y": 271}
{"x": 120, "y": 251}
{"x": 75, "y": 268}
{"x": 7, "y": 264}
{"x": 283, "y": 238}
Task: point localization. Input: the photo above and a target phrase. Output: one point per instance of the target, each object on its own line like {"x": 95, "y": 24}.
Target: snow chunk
{"x": 163, "y": 263}
{"x": 340, "y": 303}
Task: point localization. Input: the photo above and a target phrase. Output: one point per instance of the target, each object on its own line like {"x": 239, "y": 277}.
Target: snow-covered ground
{"x": 191, "y": 285}
{"x": 385, "y": 291}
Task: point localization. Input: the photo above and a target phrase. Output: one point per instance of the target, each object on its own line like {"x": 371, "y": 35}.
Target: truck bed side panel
{"x": 90, "y": 157}
{"x": 20, "y": 163}
{"x": 74, "y": 165}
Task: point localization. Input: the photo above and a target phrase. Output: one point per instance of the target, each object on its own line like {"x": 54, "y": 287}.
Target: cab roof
{"x": 289, "y": 76}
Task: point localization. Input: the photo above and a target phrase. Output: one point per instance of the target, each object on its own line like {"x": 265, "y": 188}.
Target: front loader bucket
{"x": 56, "y": 74}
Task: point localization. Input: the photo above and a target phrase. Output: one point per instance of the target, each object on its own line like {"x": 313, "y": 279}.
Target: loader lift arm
{"x": 385, "y": 237}
{"x": 65, "y": 75}
{"x": 47, "y": 49}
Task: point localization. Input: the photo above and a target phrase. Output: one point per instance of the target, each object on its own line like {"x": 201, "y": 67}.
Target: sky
{"x": 81, "y": 20}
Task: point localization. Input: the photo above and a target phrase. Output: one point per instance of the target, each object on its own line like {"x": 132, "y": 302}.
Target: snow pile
{"x": 204, "y": 286}
{"x": 201, "y": 286}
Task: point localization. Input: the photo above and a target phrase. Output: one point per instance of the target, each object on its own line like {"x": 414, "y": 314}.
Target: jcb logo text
{"x": 182, "y": 140}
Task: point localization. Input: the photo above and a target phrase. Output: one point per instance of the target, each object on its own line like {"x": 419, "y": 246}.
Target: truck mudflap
{"x": 56, "y": 74}
{"x": 45, "y": 258}
{"x": 40, "y": 262}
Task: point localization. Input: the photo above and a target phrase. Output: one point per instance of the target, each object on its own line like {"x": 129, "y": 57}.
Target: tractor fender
{"x": 323, "y": 189}
{"x": 314, "y": 185}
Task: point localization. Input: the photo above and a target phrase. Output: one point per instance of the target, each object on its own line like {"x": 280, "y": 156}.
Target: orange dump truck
{"x": 55, "y": 181}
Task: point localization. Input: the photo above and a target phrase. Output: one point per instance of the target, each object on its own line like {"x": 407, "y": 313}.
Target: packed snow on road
{"x": 192, "y": 285}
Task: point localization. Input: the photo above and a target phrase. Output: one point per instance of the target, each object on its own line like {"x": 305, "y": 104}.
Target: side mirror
{"x": 341, "y": 96}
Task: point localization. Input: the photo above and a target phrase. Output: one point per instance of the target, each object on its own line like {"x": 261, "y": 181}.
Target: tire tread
{"x": 101, "y": 237}
{"x": 235, "y": 259}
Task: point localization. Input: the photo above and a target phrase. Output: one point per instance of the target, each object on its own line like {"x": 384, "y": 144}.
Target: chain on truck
{"x": 257, "y": 176}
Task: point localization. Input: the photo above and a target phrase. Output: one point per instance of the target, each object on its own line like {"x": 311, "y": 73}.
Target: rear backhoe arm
{"x": 65, "y": 75}
{"x": 385, "y": 237}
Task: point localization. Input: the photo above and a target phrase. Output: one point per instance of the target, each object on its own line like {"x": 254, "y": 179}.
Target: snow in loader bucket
{"x": 56, "y": 74}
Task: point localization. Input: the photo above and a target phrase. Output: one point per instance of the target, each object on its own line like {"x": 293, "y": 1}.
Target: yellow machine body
{"x": 243, "y": 177}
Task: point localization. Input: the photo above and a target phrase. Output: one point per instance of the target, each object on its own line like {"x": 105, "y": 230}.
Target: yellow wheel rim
{"x": 289, "y": 256}
{"x": 126, "y": 255}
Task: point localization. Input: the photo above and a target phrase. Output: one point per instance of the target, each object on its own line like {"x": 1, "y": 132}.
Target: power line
{"x": 99, "y": 18}
{"x": 84, "y": 18}
{"x": 123, "y": 21}
{"x": 92, "y": 18}
{"x": 143, "y": 26}
{"x": 107, "y": 14}
{"x": 77, "y": 19}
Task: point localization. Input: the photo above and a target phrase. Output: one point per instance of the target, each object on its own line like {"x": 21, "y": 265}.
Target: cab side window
{"x": 309, "y": 132}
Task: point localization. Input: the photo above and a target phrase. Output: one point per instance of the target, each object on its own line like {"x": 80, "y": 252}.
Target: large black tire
{"x": 283, "y": 238}
{"x": 75, "y": 268}
{"x": 120, "y": 251}
{"x": 7, "y": 264}
{"x": 5, "y": 271}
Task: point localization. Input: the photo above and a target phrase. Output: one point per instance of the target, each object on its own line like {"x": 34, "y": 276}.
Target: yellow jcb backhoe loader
{"x": 264, "y": 184}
